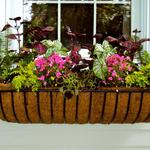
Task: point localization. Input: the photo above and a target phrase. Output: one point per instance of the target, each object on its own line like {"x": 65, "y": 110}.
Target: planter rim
{"x": 8, "y": 88}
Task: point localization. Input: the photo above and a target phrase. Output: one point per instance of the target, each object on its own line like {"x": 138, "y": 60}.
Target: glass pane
{"x": 113, "y": 20}
{"x": 79, "y": 18}
{"x": 44, "y": 15}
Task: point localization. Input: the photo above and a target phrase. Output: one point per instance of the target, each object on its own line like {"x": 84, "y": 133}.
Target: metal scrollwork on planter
{"x": 106, "y": 105}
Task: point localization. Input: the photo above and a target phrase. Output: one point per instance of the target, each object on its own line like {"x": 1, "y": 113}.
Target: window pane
{"x": 44, "y": 15}
{"x": 79, "y": 18}
{"x": 113, "y": 20}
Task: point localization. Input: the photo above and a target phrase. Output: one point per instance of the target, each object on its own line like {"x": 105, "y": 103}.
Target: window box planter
{"x": 105, "y": 105}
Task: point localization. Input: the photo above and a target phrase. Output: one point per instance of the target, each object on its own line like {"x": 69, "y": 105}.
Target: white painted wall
{"x": 74, "y": 137}
{"x": 141, "y": 19}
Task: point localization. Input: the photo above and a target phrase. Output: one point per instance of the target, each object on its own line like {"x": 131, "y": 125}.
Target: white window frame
{"x": 140, "y": 15}
{"x": 60, "y": 2}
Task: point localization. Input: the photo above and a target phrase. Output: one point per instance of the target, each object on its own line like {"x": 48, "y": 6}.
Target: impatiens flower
{"x": 41, "y": 63}
{"x": 118, "y": 67}
{"x": 114, "y": 73}
{"x": 110, "y": 69}
{"x": 58, "y": 74}
{"x": 120, "y": 79}
{"x": 110, "y": 78}
{"x": 42, "y": 78}
{"x": 49, "y": 69}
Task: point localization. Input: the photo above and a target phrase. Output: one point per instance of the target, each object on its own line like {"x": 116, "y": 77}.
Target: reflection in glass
{"x": 79, "y": 18}
{"x": 44, "y": 15}
{"x": 113, "y": 20}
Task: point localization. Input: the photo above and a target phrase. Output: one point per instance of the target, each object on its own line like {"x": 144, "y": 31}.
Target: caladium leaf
{"x": 54, "y": 46}
{"x": 100, "y": 68}
{"x": 57, "y": 45}
{"x": 102, "y": 51}
{"x": 48, "y": 52}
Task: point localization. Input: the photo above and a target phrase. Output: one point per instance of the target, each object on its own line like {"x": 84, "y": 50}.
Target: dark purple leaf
{"x": 77, "y": 68}
{"x": 6, "y": 27}
{"x": 111, "y": 39}
{"x": 123, "y": 37}
{"x": 81, "y": 34}
{"x": 12, "y": 51}
{"x": 48, "y": 29}
{"x": 25, "y": 22}
{"x": 136, "y": 31}
{"x": 143, "y": 40}
{"x": 130, "y": 45}
{"x": 15, "y": 19}
{"x": 71, "y": 34}
{"x": 75, "y": 56}
{"x": 98, "y": 35}
{"x": 68, "y": 94}
{"x": 11, "y": 36}
{"x": 40, "y": 48}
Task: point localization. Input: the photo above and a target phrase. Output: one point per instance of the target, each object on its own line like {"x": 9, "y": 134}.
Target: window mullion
{"x": 94, "y": 21}
{"x": 59, "y": 21}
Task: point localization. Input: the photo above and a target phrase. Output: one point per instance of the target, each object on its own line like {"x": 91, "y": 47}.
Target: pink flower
{"x": 40, "y": 62}
{"x": 58, "y": 74}
{"x": 129, "y": 68}
{"x": 110, "y": 69}
{"x": 120, "y": 79}
{"x": 114, "y": 73}
{"x": 67, "y": 59}
{"x": 110, "y": 78}
{"x": 104, "y": 82}
{"x": 42, "y": 78}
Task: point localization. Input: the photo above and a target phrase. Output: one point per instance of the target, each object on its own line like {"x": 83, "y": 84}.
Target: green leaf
{"x": 57, "y": 45}
{"x": 54, "y": 46}
{"x": 99, "y": 68}
{"x": 48, "y": 52}
{"x": 102, "y": 51}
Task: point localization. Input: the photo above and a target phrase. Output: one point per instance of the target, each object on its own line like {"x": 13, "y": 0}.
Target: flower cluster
{"x": 118, "y": 68}
{"x": 50, "y": 68}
